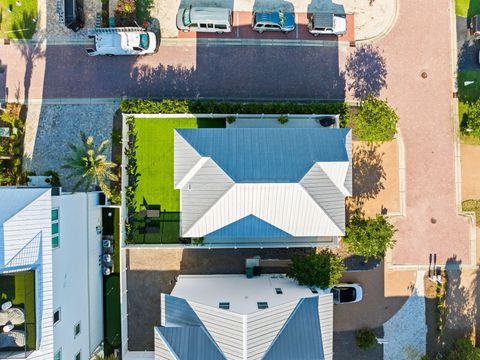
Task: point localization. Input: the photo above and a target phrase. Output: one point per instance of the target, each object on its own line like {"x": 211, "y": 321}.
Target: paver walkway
{"x": 431, "y": 224}
{"x": 405, "y": 333}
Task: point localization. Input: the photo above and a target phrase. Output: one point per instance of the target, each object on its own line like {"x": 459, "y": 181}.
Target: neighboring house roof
{"x": 296, "y": 325}
{"x": 13, "y": 199}
{"x": 234, "y": 181}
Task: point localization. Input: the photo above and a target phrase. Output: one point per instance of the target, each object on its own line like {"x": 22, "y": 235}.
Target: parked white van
{"x": 324, "y": 23}
{"x": 204, "y": 19}
{"x": 122, "y": 41}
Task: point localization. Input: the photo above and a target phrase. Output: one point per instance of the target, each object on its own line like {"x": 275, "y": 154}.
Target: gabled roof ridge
{"x": 340, "y": 186}
{"x": 320, "y": 206}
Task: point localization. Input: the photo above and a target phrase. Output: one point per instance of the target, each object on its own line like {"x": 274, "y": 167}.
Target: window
{"x": 278, "y": 291}
{"x": 221, "y": 27}
{"x": 58, "y": 355}
{"x": 76, "y": 330}
{"x": 78, "y": 356}
{"x": 55, "y": 234}
{"x": 224, "y": 305}
{"x": 313, "y": 290}
{"x": 56, "y": 316}
{"x": 262, "y": 305}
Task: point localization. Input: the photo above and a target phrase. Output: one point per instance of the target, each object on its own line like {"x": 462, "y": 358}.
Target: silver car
{"x": 204, "y": 19}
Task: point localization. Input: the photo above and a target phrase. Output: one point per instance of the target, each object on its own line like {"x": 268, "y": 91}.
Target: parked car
{"x": 122, "y": 41}
{"x": 204, "y": 19}
{"x": 273, "y": 21}
{"x": 475, "y": 26}
{"x": 327, "y": 23}
{"x": 347, "y": 293}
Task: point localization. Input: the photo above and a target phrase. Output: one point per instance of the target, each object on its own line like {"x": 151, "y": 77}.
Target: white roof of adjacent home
{"x": 296, "y": 324}
{"x": 254, "y": 182}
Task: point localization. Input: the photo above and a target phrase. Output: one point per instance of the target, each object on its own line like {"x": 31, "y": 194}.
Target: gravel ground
{"x": 50, "y": 128}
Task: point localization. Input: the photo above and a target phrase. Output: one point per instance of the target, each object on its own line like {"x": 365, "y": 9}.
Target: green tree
{"x": 463, "y": 349}
{"x": 471, "y": 122}
{"x": 365, "y": 339}
{"x": 375, "y": 121}
{"x": 90, "y": 165}
{"x": 322, "y": 269}
{"x": 369, "y": 237}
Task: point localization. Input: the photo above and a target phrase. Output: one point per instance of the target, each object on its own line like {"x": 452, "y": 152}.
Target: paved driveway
{"x": 431, "y": 225}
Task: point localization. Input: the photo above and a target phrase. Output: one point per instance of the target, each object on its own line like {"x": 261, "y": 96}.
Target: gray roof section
{"x": 323, "y": 19}
{"x": 191, "y": 343}
{"x": 178, "y": 312}
{"x": 300, "y": 337}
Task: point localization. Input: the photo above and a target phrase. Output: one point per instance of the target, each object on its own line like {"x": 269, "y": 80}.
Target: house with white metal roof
{"x": 235, "y": 317}
{"x": 263, "y": 187}
{"x": 51, "y": 284}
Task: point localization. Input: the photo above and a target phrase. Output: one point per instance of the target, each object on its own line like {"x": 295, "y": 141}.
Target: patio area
{"x": 17, "y": 314}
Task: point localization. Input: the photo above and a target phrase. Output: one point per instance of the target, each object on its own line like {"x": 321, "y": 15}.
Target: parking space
{"x": 242, "y": 29}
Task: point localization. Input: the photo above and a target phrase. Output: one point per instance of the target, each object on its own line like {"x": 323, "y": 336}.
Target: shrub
{"x": 369, "y": 237}
{"x": 231, "y": 119}
{"x": 471, "y": 122}
{"x": 54, "y": 178}
{"x": 463, "y": 349}
{"x": 472, "y": 205}
{"x": 375, "y": 121}
{"x": 139, "y": 106}
{"x": 322, "y": 269}
{"x": 283, "y": 119}
{"x": 365, "y": 339}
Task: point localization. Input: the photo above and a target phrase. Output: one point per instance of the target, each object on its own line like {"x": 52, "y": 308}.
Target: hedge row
{"x": 207, "y": 107}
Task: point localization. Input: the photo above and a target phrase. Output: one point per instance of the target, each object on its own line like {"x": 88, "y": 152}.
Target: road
{"x": 246, "y": 72}
{"x": 414, "y": 46}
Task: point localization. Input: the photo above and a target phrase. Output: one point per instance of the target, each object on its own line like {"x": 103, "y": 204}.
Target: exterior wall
{"x": 32, "y": 221}
{"x": 325, "y": 313}
{"x": 77, "y": 279}
{"x": 161, "y": 350}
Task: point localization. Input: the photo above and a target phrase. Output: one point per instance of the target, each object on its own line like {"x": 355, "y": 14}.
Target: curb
{"x": 383, "y": 34}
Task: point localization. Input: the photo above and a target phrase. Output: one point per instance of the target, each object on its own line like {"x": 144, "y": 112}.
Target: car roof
{"x": 274, "y": 17}
{"x": 323, "y": 19}
{"x": 347, "y": 294}
{"x": 208, "y": 14}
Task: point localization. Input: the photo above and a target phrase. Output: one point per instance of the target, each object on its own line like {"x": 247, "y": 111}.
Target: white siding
{"x": 263, "y": 327}
{"x": 202, "y": 192}
{"x": 325, "y": 313}
{"x": 287, "y": 206}
{"x": 225, "y": 327}
{"x": 77, "y": 280}
{"x": 162, "y": 351}
{"x": 348, "y": 147}
{"x": 185, "y": 157}
{"x": 35, "y": 219}
{"x": 323, "y": 189}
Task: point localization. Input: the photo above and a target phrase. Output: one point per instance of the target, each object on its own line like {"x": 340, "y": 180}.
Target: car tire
{"x": 316, "y": 35}
{"x": 260, "y": 31}
{"x": 185, "y": 30}
{"x": 109, "y": 55}
{"x": 219, "y": 32}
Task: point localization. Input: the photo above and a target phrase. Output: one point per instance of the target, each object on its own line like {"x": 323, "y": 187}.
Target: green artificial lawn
{"x": 467, "y": 94}
{"x": 20, "y": 290}
{"x": 21, "y": 21}
{"x": 155, "y": 159}
{"x": 112, "y": 310}
{"x": 467, "y": 8}
{"x": 165, "y": 230}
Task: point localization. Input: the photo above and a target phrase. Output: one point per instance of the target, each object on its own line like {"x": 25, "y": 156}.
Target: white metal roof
{"x": 211, "y": 200}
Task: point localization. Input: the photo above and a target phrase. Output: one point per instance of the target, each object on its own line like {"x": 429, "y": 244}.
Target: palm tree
{"x": 90, "y": 165}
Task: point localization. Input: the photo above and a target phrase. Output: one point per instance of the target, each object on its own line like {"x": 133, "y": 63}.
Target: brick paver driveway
{"x": 425, "y": 109}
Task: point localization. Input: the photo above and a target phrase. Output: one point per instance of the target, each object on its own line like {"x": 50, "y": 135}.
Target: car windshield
{"x": 186, "y": 17}
{"x": 336, "y": 294}
{"x": 281, "y": 18}
{"x": 144, "y": 41}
